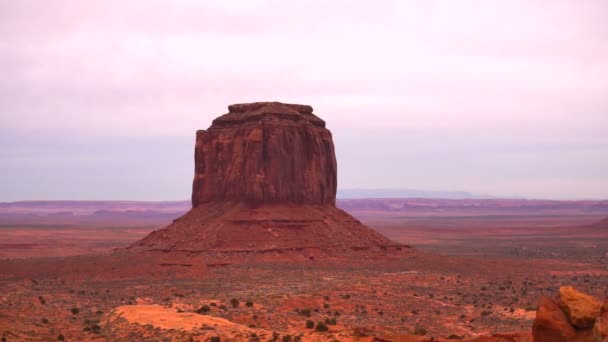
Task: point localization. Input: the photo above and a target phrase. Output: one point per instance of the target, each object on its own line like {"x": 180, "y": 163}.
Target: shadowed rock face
{"x": 265, "y": 152}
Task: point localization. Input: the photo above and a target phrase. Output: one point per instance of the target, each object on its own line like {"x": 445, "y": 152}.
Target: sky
{"x": 101, "y": 99}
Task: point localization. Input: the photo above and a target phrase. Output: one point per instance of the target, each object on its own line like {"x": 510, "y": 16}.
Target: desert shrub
{"x": 486, "y": 313}
{"x": 331, "y": 321}
{"x": 41, "y": 300}
{"x": 326, "y": 298}
{"x": 249, "y": 303}
{"x": 286, "y": 338}
{"x": 203, "y": 310}
{"x": 310, "y": 324}
{"x": 96, "y": 328}
{"x": 325, "y": 305}
{"x": 45, "y": 321}
{"x": 455, "y": 337}
{"x": 60, "y": 337}
{"x": 305, "y": 312}
{"x": 321, "y": 327}
{"x": 75, "y": 311}
{"x": 234, "y": 302}
{"x": 216, "y": 339}
{"x": 420, "y": 331}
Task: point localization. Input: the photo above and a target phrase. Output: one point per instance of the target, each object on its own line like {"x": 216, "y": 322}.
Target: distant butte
{"x": 265, "y": 181}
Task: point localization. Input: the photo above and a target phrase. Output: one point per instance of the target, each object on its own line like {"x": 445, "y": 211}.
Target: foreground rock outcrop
{"x": 572, "y": 317}
{"x": 265, "y": 183}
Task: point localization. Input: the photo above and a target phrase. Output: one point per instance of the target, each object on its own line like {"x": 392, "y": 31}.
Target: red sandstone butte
{"x": 265, "y": 180}
{"x": 266, "y": 152}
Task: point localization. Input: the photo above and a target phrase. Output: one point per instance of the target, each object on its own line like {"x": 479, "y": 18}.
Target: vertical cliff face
{"x": 265, "y": 152}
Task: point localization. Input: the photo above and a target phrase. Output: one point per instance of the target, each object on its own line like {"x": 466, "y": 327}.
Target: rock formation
{"x": 265, "y": 182}
{"x": 265, "y": 153}
{"x": 573, "y": 317}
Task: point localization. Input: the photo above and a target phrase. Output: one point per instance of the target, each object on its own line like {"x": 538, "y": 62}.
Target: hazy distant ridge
{"x": 406, "y": 193}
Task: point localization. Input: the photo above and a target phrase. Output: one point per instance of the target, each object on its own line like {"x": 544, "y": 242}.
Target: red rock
{"x": 265, "y": 183}
{"x": 580, "y": 308}
{"x": 265, "y": 152}
{"x": 600, "y": 328}
{"x": 551, "y": 323}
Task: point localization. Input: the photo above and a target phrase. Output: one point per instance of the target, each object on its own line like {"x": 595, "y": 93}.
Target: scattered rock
{"x": 581, "y": 309}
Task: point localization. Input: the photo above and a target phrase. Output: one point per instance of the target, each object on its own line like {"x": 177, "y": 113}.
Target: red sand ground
{"x": 472, "y": 273}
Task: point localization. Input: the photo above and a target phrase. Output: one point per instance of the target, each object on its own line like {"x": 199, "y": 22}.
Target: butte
{"x": 265, "y": 179}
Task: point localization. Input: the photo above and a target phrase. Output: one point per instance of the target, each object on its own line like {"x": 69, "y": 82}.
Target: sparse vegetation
{"x": 310, "y": 324}
{"x": 321, "y": 327}
{"x": 420, "y": 331}
{"x": 203, "y": 310}
{"x": 234, "y": 302}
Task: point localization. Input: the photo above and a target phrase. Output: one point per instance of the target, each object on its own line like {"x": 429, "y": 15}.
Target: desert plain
{"x": 468, "y": 269}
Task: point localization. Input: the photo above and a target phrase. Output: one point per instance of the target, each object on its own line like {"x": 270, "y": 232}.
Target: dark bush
{"x": 305, "y": 312}
{"x": 203, "y": 310}
{"x": 321, "y": 327}
{"x": 310, "y": 324}
{"x": 234, "y": 302}
{"x": 420, "y": 331}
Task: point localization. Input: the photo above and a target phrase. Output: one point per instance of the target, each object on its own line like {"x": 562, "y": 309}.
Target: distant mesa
{"x": 601, "y": 224}
{"x": 265, "y": 180}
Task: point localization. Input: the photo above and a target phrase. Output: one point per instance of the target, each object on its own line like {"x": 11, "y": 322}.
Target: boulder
{"x": 600, "y": 328}
{"x": 551, "y": 323}
{"x": 581, "y": 309}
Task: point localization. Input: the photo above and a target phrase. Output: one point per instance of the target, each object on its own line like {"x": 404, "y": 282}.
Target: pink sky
{"x": 502, "y": 97}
